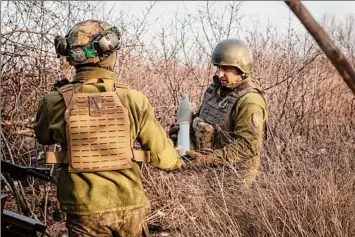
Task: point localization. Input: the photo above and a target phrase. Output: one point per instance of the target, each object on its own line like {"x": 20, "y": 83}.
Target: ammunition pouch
{"x": 204, "y": 134}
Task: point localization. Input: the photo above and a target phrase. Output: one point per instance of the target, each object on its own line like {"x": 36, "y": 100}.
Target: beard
{"x": 221, "y": 82}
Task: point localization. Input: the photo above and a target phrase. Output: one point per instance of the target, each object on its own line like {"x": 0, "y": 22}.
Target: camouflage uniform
{"x": 104, "y": 203}
{"x": 126, "y": 223}
{"x": 237, "y": 116}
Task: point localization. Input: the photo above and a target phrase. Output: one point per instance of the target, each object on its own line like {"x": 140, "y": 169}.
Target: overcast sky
{"x": 276, "y": 12}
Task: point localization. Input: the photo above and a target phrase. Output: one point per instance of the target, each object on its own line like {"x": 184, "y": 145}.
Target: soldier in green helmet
{"x": 229, "y": 125}
{"x": 96, "y": 120}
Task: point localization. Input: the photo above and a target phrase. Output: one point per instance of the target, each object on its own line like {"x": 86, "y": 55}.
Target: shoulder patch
{"x": 257, "y": 119}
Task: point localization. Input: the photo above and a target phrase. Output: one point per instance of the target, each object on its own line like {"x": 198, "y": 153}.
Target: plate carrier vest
{"x": 97, "y": 132}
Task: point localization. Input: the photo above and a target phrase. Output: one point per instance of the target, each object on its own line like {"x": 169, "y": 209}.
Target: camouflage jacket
{"x": 244, "y": 123}
{"x": 99, "y": 192}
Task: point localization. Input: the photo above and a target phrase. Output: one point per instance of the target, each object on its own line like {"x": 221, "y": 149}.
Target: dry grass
{"x": 306, "y": 191}
{"x": 307, "y": 180}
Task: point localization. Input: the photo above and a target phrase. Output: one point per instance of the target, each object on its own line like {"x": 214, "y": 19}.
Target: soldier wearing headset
{"x": 96, "y": 120}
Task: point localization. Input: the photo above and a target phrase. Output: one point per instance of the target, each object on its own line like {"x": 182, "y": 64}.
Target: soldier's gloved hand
{"x": 204, "y": 158}
{"x": 173, "y": 132}
{"x": 184, "y": 165}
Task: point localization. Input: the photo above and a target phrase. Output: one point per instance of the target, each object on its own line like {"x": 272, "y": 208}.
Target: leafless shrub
{"x": 307, "y": 180}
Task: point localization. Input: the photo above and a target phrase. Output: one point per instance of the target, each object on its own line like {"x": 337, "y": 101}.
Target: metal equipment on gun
{"x": 21, "y": 172}
{"x": 14, "y": 224}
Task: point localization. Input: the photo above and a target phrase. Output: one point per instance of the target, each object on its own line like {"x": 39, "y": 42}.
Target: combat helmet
{"x": 233, "y": 52}
{"x": 89, "y": 41}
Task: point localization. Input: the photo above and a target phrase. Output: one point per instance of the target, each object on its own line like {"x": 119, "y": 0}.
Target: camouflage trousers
{"x": 126, "y": 223}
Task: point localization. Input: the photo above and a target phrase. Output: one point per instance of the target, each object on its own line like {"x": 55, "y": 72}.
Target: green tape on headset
{"x": 90, "y": 53}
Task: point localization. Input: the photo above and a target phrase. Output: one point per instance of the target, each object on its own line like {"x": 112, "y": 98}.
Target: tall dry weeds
{"x": 307, "y": 180}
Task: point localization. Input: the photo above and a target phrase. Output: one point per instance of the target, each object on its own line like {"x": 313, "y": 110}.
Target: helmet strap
{"x": 216, "y": 80}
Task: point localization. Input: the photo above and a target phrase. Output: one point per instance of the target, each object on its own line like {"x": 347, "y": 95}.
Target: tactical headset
{"x": 103, "y": 45}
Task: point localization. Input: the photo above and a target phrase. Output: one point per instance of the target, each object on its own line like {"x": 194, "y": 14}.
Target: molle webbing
{"x": 217, "y": 111}
{"x": 98, "y": 131}
{"x": 214, "y": 110}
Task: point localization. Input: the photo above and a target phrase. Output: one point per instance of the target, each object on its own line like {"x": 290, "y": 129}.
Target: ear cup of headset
{"x": 61, "y": 45}
{"x": 107, "y": 43}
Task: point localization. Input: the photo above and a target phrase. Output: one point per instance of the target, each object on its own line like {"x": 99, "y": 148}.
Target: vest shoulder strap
{"x": 122, "y": 91}
{"x": 244, "y": 89}
{"x": 67, "y": 92}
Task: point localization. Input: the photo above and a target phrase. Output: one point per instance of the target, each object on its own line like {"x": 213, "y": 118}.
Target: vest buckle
{"x": 223, "y": 103}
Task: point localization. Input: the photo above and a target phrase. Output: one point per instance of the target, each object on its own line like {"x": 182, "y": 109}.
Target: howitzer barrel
{"x": 343, "y": 66}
